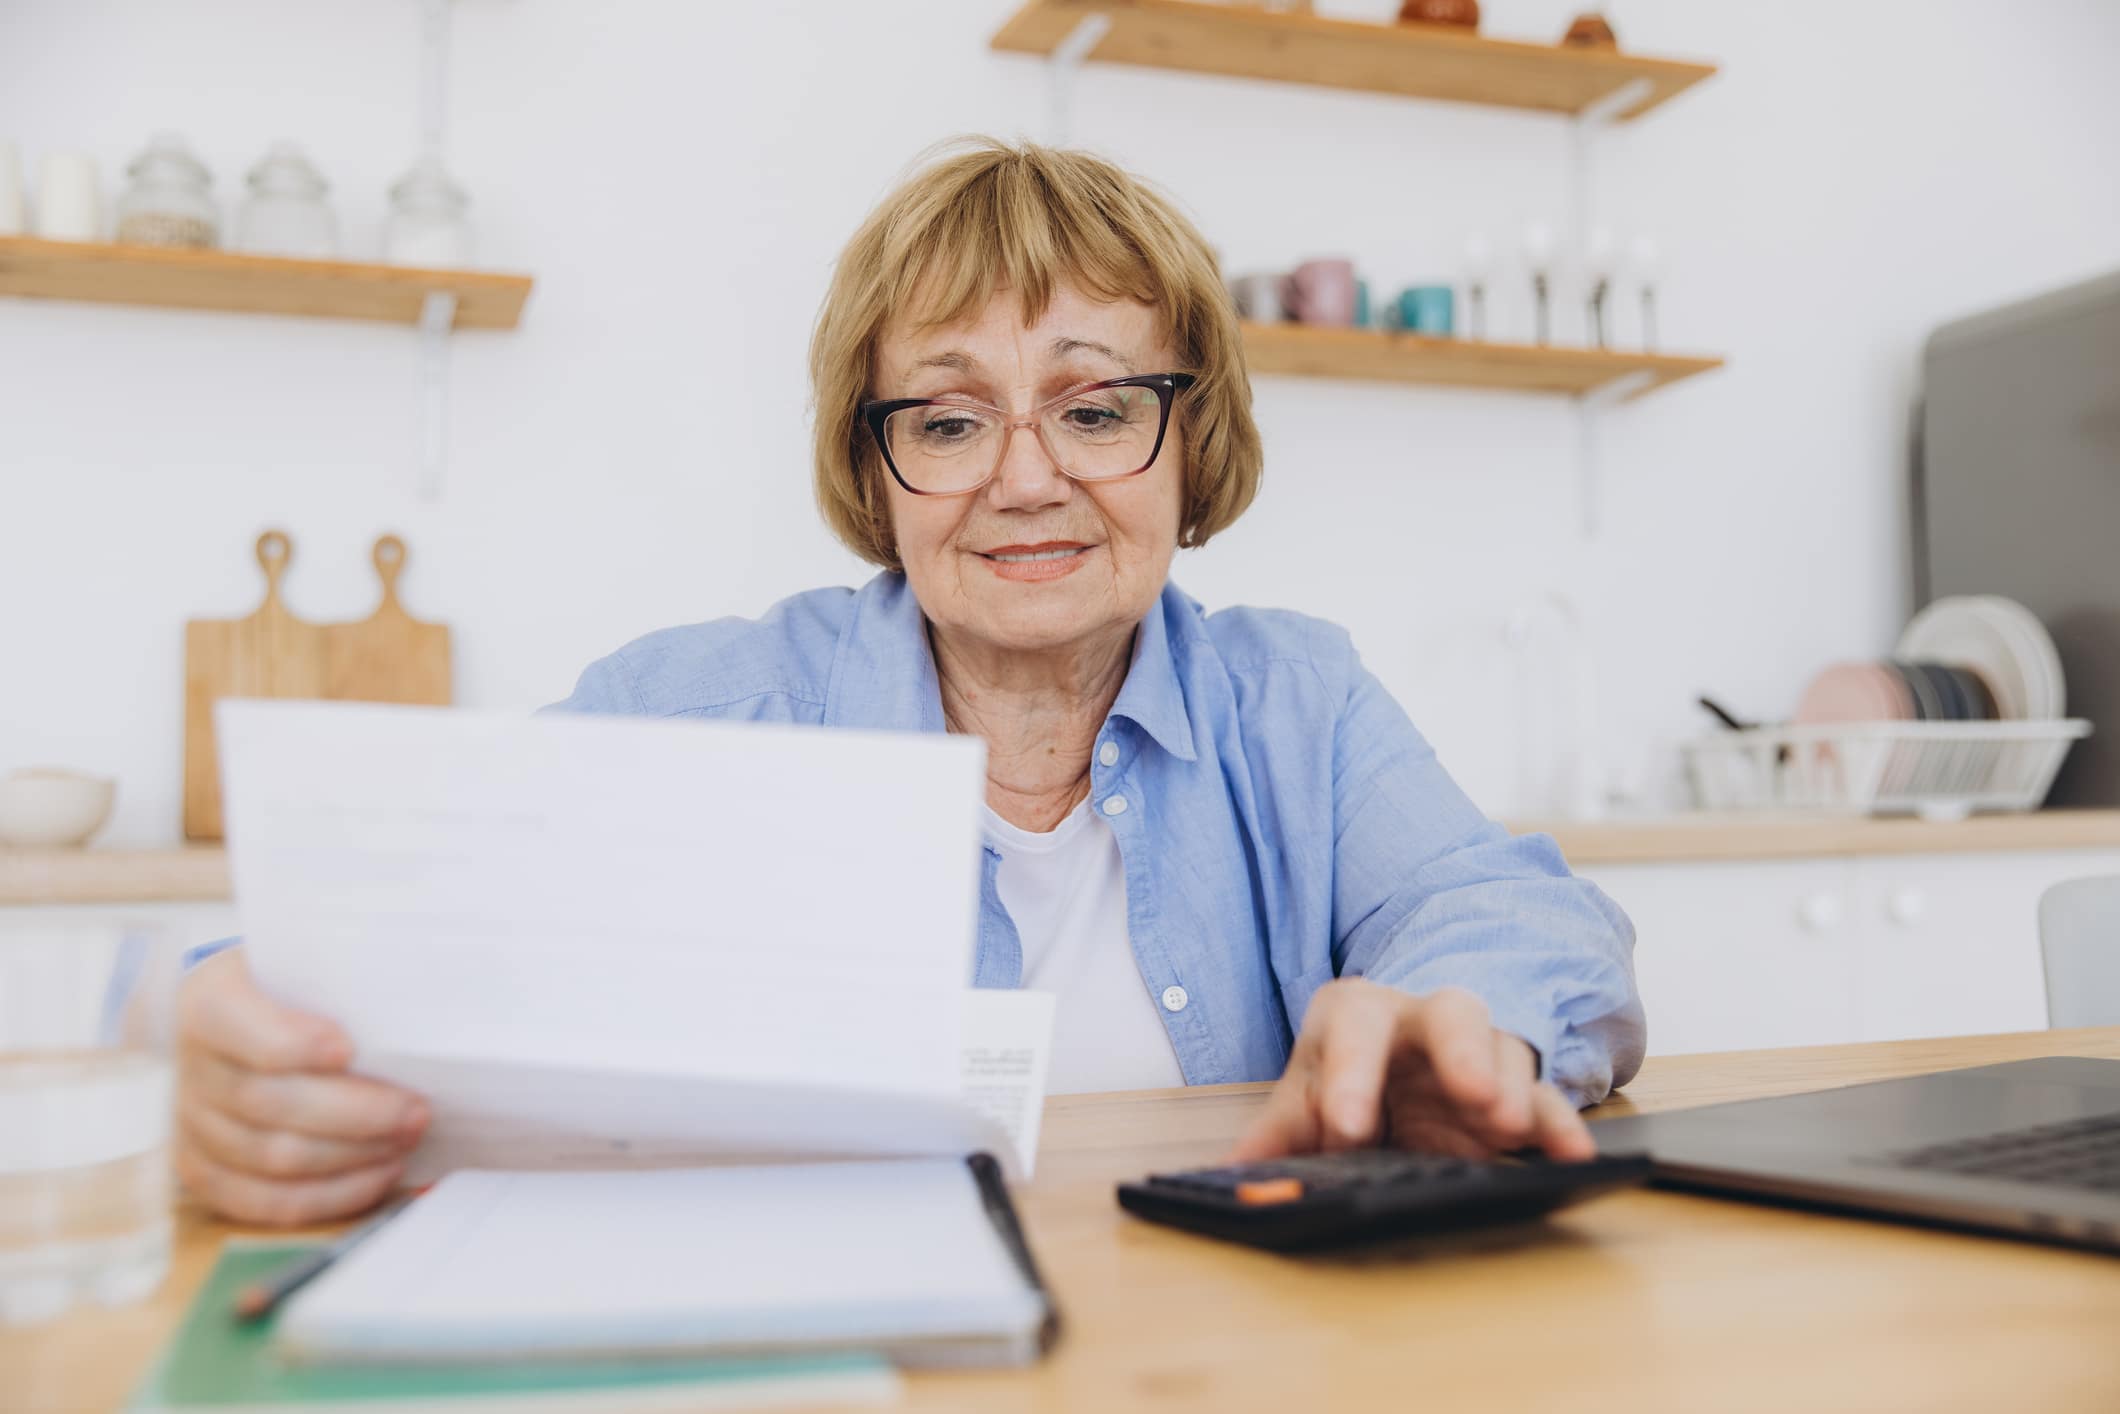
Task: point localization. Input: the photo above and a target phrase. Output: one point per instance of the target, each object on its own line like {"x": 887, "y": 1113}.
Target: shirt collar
{"x": 1151, "y": 697}
{"x": 883, "y": 673}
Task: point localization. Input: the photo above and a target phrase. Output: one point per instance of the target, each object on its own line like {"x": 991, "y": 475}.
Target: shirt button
{"x": 1174, "y": 999}
{"x": 1109, "y": 753}
{"x": 1115, "y": 805}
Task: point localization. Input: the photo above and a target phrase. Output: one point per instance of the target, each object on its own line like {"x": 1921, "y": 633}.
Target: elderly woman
{"x": 1213, "y": 835}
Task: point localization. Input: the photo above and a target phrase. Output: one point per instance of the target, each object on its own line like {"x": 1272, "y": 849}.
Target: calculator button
{"x": 1264, "y": 1192}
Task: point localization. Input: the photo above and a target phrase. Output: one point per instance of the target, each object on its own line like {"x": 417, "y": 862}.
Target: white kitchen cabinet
{"x": 1738, "y": 955}
{"x": 1951, "y": 943}
{"x": 1741, "y": 955}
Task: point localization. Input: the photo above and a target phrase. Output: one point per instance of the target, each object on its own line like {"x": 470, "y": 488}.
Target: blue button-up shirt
{"x": 1281, "y": 822}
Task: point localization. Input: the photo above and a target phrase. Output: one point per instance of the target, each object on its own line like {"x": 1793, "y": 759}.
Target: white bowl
{"x": 47, "y": 808}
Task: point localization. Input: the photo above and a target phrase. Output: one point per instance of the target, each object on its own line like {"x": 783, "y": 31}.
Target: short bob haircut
{"x": 985, "y": 215}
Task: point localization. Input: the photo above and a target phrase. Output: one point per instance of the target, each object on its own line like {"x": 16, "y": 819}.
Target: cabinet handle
{"x": 1906, "y": 906}
{"x": 1820, "y": 912}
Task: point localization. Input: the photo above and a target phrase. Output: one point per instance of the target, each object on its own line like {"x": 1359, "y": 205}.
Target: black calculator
{"x": 1326, "y": 1200}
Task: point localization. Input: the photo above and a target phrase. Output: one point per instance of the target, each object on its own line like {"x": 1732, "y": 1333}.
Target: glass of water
{"x": 84, "y": 1119}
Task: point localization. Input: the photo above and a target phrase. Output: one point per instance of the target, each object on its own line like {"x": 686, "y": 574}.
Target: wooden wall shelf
{"x": 1369, "y": 354}
{"x": 1412, "y": 61}
{"x": 253, "y": 284}
{"x": 33, "y": 877}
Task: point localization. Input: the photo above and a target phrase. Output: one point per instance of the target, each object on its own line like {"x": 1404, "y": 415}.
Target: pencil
{"x": 261, "y": 1298}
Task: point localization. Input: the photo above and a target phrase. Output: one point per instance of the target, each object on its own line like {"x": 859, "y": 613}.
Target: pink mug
{"x": 1322, "y": 292}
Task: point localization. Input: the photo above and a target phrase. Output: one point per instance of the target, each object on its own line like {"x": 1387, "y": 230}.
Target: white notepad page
{"x": 896, "y": 1255}
{"x": 594, "y": 940}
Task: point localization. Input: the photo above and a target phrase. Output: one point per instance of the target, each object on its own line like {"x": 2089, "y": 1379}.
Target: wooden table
{"x": 1644, "y": 1301}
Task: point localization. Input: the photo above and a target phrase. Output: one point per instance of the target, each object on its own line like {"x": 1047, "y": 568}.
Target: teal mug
{"x": 1425, "y": 309}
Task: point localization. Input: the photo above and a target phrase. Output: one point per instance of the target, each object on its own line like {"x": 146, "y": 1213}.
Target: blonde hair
{"x": 1029, "y": 217}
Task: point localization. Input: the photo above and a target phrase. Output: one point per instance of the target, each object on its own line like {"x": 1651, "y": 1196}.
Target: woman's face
{"x": 1115, "y": 538}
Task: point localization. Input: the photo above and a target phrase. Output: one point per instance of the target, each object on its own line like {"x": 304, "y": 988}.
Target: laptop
{"x": 2026, "y": 1149}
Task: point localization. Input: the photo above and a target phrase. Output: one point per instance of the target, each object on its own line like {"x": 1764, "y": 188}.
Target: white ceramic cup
{"x": 69, "y": 198}
{"x": 14, "y": 217}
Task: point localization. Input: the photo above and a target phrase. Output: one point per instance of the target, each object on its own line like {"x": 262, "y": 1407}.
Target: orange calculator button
{"x": 1269, "y": 1191}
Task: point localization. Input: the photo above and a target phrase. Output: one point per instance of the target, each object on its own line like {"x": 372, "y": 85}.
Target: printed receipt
{"x": 1007, "y": 1047}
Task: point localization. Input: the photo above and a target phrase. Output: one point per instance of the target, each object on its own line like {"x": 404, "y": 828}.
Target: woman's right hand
{"x": 271, "y": 1129}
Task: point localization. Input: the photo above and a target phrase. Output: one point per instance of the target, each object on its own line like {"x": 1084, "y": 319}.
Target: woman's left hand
{"x": 1378, "y": 1065}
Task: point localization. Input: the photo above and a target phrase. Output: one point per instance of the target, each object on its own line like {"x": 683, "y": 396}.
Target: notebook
{"x": 918, "y": 1260}
{"x": 216, "y": 1364}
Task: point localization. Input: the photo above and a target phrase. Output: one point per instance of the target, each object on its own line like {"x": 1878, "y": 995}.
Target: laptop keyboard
{"x": 2076, "y": 1153}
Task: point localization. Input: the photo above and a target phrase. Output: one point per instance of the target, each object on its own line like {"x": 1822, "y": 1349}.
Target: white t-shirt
{"x": 1066, "y": 892}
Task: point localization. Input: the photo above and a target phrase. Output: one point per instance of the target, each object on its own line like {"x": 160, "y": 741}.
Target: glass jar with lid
{"x": 427, "y": 226}
{"x": 285, "y": 213}
{"x": 170, "y": 200}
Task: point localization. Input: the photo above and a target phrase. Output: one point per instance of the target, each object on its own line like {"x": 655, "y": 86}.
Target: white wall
{"x": 679, "y": 176}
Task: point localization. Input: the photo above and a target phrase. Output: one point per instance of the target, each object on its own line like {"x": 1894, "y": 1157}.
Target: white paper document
{"x": 598, "y": 940}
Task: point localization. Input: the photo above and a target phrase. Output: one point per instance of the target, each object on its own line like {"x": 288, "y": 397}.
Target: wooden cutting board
{"x": 389, "y": 657}
{"x": 270, "y": 654}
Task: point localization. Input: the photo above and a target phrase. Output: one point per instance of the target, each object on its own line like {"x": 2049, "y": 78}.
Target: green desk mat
{"x": 218, "y": 1362}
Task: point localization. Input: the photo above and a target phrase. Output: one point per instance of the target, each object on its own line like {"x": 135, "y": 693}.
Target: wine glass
{"x": 1479, "y": 269}
{"x": 1645, "y": 260}
{"x": 1600, "y": 263}
{"x": 1539, "y": 251}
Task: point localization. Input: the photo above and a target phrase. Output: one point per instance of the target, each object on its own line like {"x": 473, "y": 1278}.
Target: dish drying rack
{"x": 1937, "y": 770}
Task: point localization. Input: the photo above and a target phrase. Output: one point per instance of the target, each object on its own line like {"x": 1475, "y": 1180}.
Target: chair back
{"x": 2079, "y": 940}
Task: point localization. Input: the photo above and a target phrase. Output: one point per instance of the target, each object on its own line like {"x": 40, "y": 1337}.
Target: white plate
{"x": 2042, "y": 661}
{"x": 1966, "y": 633}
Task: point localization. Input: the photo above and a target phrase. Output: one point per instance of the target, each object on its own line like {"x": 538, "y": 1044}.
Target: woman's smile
{"x": 1048, "y": 559}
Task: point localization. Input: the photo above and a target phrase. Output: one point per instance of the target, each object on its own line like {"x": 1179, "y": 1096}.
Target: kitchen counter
{"x": 1681, "y": 839}
{"x": 91, "y": 876}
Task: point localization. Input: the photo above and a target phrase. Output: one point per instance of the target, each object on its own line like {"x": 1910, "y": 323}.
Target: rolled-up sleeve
{"x": 1429, "y": 893}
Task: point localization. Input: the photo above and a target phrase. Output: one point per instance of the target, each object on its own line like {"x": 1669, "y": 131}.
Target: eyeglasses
{"x": 954, "y": 446}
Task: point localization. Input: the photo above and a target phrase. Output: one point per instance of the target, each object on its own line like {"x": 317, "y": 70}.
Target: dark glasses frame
{"x": 1166, "y": 386}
